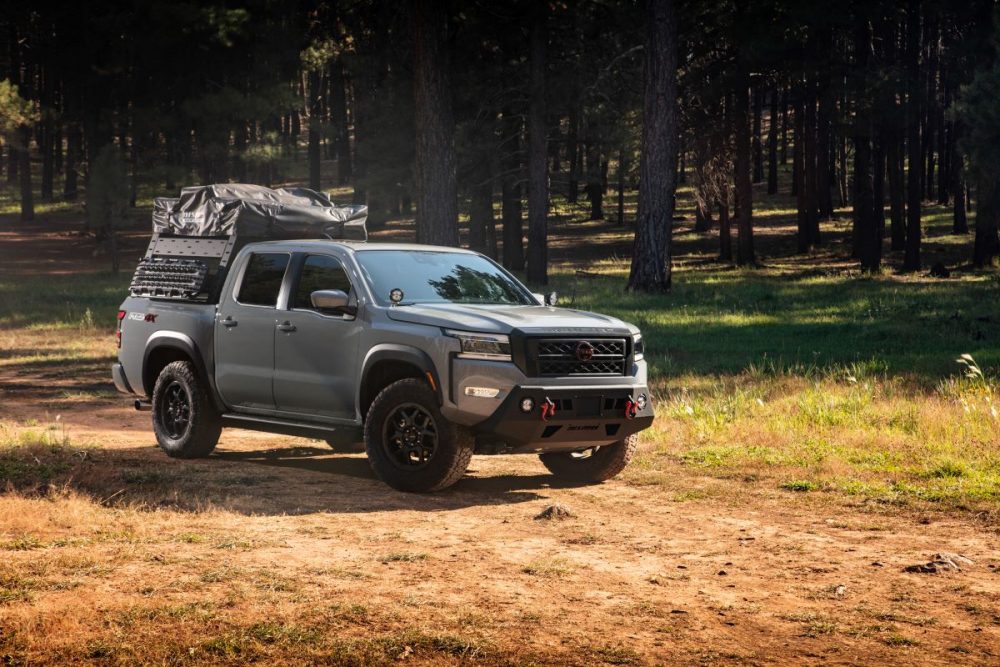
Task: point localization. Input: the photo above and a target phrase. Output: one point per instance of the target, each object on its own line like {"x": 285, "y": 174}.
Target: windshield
{"x": 427, "y": 276}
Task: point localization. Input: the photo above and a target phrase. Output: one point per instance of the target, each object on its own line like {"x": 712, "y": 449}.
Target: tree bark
{"x": 651, "y": 270}
{"x": 960, "y": 224}
{"x": 72, "y": 155}
{"x": 315, "y": 118}
{"x": 824, "y": 177}
{"x": 868, "y": 238}
{"x": 745, "y": 255}
{"x": 810, "y": 171}
{"x": 758, "y": 150}
{"x": 338, "y": 117}
{"x": 538, "y": 177}
{"x": 24, "y": 173}
{"x": 784, "y": 126}
{"x": 911, "y": 260}
{"x": 798, "y": 174}
{"x": 434, "y": 177}
{"x": 595, "y": 189}
{"x": 622, "y": 169}
{"x": 987, "y": 245}
{"x": 772, "y": 145}
{"x": 510, "y": 160}
{"x": 573, "y": 154}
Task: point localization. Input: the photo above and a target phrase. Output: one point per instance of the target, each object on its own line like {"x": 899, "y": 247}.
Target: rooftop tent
{"x": 196, "y": 234}
{"x": 253, "y": 211}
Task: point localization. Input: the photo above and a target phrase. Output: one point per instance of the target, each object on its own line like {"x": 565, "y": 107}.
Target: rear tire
{"x": 410, "y": 444}
{"x": 595, "y": 465}
{"x": 186, "y": 424}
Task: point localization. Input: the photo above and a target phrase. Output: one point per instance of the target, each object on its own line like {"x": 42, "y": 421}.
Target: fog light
{"x": 640, "y": 402}
{"x": 482, "y": 392}
{"x": 527, "y": 405}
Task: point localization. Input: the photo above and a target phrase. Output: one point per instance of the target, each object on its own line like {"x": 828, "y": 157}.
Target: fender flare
{"x": 181, "y": 342}
{"x": 404, "y": 353}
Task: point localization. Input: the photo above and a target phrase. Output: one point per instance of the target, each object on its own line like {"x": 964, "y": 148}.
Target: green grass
{"x": 725, "y": 320}
{"x": 62, "y": 301}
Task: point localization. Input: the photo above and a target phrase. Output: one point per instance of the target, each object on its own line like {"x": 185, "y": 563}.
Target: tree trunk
{"x": 745, "y": 255}
{"x": 758, "y": 151}
{"x": 772, "y": 145}
{"x": 878, "y": 185}
{"x": 960, "y": 224}
{"x": 338, "y": 117}
{"x": 481, "y": 213}
{"x": 622, "y": 170}
{"x": 513, "y": 232}
{"x": 784, "y": 126}
{"x": 315, "y": 118}
{"x": 911, "y": 260}
{"x": 24, "y": 173}
{"x": 595, "y": 188}
{"x": 987, "y": 245}
{"x": 538, "y": 177}
{"x": 434, "y": 177}
{"x": 868, "y": 238}
{"x": 824, "y": 177}
{"x": 798, "y": 174}
{"x": 72, "y": 155}
{"x": 725, "y": 233}
{"x": 651, "y": 270}
{"x": 810, "y": 172}
{"x": 573, "y": 154}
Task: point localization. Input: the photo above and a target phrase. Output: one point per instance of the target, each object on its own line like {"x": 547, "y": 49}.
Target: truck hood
{"x": 504, "y": 319}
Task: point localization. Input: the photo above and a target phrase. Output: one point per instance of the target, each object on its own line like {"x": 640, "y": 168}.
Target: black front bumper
{"x": 583, "y": 417}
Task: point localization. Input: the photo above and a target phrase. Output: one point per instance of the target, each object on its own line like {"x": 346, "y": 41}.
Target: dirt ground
{"x": 141, "y": 558}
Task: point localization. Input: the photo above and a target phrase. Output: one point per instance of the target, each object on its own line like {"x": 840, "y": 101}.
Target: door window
{"x": 262, "y": 279}
{"x": 319, "y": 272}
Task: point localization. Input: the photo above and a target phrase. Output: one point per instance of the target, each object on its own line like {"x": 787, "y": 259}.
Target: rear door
{"x": 244, "y": 333}
{"x": 316, "y": 352}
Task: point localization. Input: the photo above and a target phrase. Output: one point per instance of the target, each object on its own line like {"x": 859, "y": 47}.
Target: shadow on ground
{"x": 275, "y": 481}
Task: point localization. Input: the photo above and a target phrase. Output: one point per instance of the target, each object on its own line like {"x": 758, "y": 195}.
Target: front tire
{"x": 594, "y": 465}
{"x": 410, "y": 444}
{"x": 185, "y": 422}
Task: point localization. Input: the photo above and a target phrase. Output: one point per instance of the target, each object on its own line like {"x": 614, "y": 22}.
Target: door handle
{"x": 229, "y": 322}
{"x": 286, "y": 326}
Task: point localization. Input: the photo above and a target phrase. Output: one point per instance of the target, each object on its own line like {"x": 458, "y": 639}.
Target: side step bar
{"x": 345, "y": 435}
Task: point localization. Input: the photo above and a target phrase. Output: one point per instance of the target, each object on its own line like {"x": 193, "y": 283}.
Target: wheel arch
{"x": 165, "y": 347}
{"x": 388, "y": 363}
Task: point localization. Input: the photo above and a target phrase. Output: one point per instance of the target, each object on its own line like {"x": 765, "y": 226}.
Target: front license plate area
{"x": 589, "y": 406}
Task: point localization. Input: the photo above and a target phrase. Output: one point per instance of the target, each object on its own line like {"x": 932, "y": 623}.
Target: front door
{"x": 244, "y": 334}
{"x": 316, "y": 352}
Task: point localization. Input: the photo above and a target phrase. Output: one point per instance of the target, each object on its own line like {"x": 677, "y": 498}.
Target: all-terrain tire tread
{"x": 206, "y": 425}
{"x": 416, "y": 388}
{"x": 602, "y": 465}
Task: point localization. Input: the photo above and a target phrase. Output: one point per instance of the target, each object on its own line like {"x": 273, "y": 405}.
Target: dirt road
{"x": 273, "y": 528}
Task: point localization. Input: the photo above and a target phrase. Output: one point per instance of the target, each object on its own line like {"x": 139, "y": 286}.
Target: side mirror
{"x": 551, "y": 299}
{"x": 331, "y": 300}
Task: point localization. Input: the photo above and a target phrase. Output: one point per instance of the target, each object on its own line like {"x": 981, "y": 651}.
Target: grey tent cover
{"x": 255, "y": 211}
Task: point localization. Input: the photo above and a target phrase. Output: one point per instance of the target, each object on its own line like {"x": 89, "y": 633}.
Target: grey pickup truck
{"x": 426, "y": 354}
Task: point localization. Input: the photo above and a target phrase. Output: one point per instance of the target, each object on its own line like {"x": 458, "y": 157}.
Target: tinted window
{"x": 430, "y": 276}
{"x": 262, "y": 279}
{"x": 319, "y": 272}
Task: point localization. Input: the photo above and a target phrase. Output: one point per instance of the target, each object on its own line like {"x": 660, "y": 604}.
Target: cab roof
{"x": 360, "y": 246}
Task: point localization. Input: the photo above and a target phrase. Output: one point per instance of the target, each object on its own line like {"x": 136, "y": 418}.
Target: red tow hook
{"x": 631, "y": 409}
{"x": 548, "y": 410}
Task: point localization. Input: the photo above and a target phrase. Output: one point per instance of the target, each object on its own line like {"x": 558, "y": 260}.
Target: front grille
{"x": 559, "y": 356}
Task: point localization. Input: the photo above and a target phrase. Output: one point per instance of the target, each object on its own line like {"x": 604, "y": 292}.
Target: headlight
{"x": 637, "y": 347}
{"x": 494, "y": 347}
